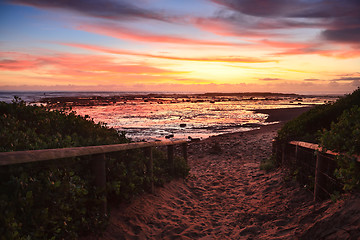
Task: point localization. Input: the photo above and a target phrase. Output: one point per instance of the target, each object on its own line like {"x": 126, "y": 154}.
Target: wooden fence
{"x": 314, "y": 167}
{"x": 98, "y": 158}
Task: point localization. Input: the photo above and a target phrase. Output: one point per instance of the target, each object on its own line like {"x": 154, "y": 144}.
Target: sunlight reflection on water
{"x": 144, "y": 116}
{"x": 152, "y": 120}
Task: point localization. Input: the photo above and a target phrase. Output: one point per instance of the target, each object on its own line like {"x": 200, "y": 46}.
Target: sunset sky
{"x": 300, "y": 46}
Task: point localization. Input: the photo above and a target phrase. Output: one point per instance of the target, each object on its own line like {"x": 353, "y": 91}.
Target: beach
{"x": 227, "y": 196}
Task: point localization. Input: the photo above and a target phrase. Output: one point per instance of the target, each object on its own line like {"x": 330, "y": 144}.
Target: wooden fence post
{"x": 283, "y": 156}
{"x": 276, "y": 152}
{"x": 184, "y": 150}
{"x": 273, "y": 146}
{"x": 99, "y": 170}
{"x": 319, "y": 177}
{"x": 150, "y": 167}
{"x": 170, "y": 153}
{"x": 296, "y": 163}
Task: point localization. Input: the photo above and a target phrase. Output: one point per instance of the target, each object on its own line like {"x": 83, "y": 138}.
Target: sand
{"x": 227, "y": 196}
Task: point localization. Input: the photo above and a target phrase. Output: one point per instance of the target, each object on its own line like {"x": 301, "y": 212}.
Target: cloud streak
{"x": 17, "y": 65}
{"x": 347, "y": 79}
{"x": 270, "y": 79}
{"x": 231, "y": 59}
{"x": 117, "y": 31}
{"x": 76, "y": 65}
{"x": 107, "y": 9}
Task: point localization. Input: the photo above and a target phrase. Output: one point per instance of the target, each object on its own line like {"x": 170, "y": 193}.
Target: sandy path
{"x": 227, "y": 196}
{"x": 242, "y": 200}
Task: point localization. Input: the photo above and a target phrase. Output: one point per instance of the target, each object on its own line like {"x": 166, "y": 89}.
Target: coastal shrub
{"x": 268, "y": 164}
{"x": 54, "y": 200}
{"x": 26, "y": 127}
{"x": 57, "y": 199}
{"x": 48, "y": 202}
{"x": 126, "y": 173}
{"x": 344, "y": 137}
{"x": 335, "y": 127}
{"x": 306, "y": 127}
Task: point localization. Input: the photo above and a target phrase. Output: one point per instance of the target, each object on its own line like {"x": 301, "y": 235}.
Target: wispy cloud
{"x": 270, "y": 79}
{"x": 231, "y": 26}
{"x": 317, "y": 48}
{"x": 107, "y": 9}
{"x": 17, "y": 65}
{"x": 347, "y": 79}
{"x": 76, "y": 65}
{"x": 313, "y": 80}
{"x": 118, "y": 31}
{"x": 233, "y": 59}
{"x": 285, "y": 44}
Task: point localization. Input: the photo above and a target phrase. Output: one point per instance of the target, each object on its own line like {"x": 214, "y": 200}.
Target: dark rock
{"x": 193, "y": 139}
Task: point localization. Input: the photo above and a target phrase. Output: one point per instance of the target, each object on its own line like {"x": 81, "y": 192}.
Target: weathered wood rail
{"x": 98, "y": 158}
{"x": 311, "y": 162}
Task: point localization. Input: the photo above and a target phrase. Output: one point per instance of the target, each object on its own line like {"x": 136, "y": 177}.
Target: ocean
{"x": 157, "y": 116}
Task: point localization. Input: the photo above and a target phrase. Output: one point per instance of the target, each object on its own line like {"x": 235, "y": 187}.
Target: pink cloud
{"x": 279, "y": 44}
{"x": 17, "y": 65}
{"x": 75, "y": 65}
{"x": 114, "y": 30}
{"x": 344, "y": 53}
{"x": 224, "y": 27}
{"x": 233, "y": 59}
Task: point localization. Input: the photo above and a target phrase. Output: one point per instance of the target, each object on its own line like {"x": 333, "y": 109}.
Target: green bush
{"x": 57, "y": 199}
{"x": 40, "y": 202}
{"x": 48, "y": 201}
{"x": 268, "y": 164}
{"x": 306, "y": 127}
{"x": 344, "y": 137}
{"x": 126, "y": 173}
{"x": 335, "y": 127}
{"x": 26, "y": 127}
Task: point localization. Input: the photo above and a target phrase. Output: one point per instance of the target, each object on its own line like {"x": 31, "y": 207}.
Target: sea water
{"x": 173, "y": 116}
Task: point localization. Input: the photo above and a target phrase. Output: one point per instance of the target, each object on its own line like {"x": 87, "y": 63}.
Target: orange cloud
{"x": 232, "y": 59}
{"x": 339, "y": 50}
{"x": 14, "y": 61}
{"x": 277, "y": 44}
{"x": 62, "y": 67}
{"x": 343, "y": 54}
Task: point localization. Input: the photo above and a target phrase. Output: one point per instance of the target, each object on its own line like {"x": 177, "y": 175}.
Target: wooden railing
{"x": 98, "y": 158}
{"x": 312, "y": 164}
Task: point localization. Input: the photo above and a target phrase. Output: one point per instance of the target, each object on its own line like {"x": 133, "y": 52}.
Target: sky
{"x": 288, "y": 46}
